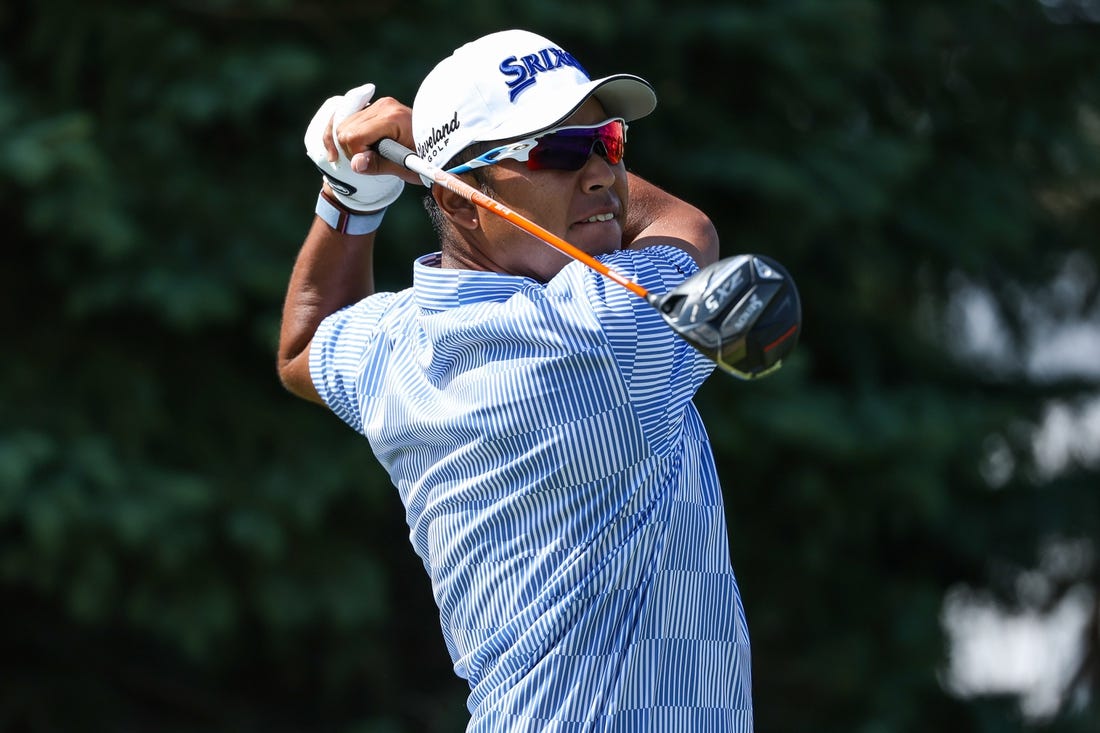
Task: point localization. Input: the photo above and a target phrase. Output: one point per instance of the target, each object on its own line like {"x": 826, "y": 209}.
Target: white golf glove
{"x": 357, "y": 191}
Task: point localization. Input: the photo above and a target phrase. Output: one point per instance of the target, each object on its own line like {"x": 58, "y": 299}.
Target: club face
{"x": 743, "y": 312}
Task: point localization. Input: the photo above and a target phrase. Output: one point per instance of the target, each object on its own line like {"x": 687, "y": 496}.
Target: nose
{"x": 597, "y": 172}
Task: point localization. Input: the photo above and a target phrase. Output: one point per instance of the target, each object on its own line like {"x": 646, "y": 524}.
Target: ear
{"x": 459, "y": 211}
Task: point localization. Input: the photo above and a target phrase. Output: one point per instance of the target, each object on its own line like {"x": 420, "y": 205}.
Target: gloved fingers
{"x": 352, "y": 101}
{"x": 320, "y": 144}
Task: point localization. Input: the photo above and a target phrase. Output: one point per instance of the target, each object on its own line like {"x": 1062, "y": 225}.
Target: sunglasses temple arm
{"x": 396, "y": 152}
{"x": 468, "y": 166}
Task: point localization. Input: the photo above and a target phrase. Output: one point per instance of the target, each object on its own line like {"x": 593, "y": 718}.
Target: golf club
{"x": 742, "y": 312}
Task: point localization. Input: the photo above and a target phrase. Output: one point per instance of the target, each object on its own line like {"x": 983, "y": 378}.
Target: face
{"x": 586, "y": 207}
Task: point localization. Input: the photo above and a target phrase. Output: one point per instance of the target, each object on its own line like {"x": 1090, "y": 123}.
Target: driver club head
{"x": 742, "y": 312}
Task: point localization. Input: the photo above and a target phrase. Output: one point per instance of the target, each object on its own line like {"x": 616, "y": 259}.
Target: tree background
{"x": 185, "y": 547}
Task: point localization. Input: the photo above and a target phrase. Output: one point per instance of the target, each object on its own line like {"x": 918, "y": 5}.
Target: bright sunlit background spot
{"x": 1029, "y": 653}
{"x": 1031, "y": 650}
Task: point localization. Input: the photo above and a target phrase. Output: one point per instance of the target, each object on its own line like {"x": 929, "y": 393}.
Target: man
{"x": 535, "y": 419}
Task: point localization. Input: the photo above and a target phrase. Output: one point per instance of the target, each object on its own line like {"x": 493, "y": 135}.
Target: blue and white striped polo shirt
{"x": 560, "y": 489}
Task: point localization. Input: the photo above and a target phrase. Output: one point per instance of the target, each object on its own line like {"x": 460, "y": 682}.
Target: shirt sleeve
{"x": 341, "y": 345}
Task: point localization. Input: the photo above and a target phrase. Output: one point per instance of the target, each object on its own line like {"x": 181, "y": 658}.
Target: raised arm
{"x": 657, "y": 217}
{"x": 334, "y": 267}
{"x": 333, "y": 270}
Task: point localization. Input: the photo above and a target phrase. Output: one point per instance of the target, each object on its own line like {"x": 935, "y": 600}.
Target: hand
{"x": 347, "y": 176}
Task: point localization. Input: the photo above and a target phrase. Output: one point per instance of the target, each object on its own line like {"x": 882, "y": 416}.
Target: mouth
{"x": 598, "y": 218}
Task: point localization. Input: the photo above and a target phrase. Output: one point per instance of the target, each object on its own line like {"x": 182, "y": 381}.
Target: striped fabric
{"x": 559, "y": 488}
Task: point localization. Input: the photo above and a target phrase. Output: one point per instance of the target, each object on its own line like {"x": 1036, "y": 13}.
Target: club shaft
{"x": 398, "y": 153}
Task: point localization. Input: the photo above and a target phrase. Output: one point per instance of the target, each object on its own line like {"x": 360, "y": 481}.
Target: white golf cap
{"x": 508, "y": 85}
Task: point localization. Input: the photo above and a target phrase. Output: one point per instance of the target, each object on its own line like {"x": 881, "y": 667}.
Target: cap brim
{"x": 626, "y": 96}
{"x": 622, "y": 95}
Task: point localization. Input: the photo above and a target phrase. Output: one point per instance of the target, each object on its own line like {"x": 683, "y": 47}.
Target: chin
{"x": 606, "y": 248}
{"x": 602, "y": 245}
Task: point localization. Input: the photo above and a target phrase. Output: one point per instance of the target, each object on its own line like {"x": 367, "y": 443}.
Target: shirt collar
{"x": 437, "y": 288}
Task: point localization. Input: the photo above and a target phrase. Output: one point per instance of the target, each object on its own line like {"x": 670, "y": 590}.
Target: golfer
{"x": 535, "y": 418}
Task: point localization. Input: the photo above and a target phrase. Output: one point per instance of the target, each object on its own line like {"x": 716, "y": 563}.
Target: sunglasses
{"x": 561, "y": 149}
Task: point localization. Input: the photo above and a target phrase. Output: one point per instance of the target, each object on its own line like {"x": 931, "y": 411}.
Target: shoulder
{"x": 370, "y": 310}
{"x": 343, "y": 337}
{"x": 657, "y": 269}
{"x": 645, "y": 348}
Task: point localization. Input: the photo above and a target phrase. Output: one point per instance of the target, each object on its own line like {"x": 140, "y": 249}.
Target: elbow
{"x": 286, "y": 379}
{"x": 294, "y": 375}
{"x": 706, "y": 240}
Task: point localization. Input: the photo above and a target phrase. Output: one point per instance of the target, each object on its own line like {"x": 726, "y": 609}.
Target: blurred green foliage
{"x": 184, "y": 546}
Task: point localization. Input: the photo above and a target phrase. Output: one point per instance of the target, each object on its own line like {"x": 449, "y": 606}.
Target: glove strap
{"x": 345, "y": 220}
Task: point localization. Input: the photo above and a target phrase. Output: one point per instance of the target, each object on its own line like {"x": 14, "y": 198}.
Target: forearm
{"x": 332, "y": 270}
{"x": 657, "y": 217}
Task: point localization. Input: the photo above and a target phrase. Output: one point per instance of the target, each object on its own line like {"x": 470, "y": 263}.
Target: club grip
{"x": 394, "y": 151}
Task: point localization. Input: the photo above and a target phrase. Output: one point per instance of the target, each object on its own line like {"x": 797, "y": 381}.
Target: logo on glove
{"x": 336, "y": 184}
